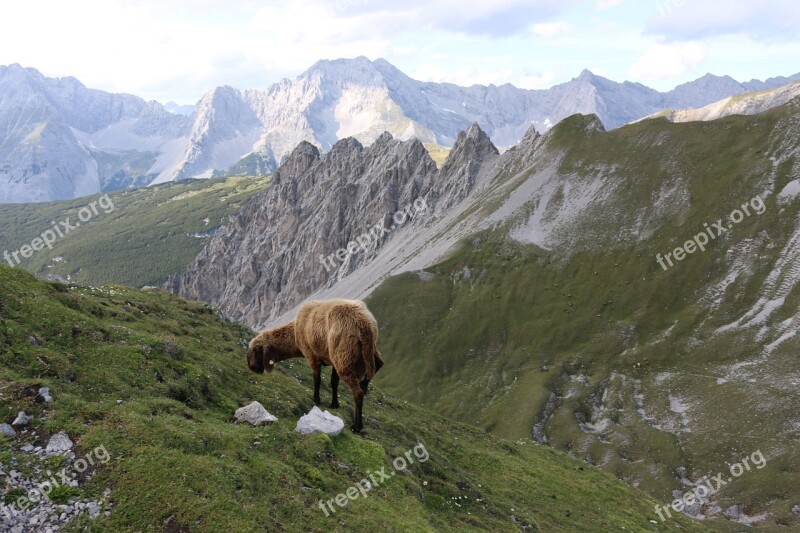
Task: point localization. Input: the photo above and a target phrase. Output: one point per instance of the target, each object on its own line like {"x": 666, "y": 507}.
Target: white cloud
{"x": 497, "y": 18}
{"x": 668, "y": 61}
{"x": 606, "y": 4}
{"x": 536, "y": 81}
{"x": 765, "y": 20}
{"x": 551, "y": 29}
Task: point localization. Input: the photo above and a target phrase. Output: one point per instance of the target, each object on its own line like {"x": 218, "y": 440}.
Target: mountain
{"x": 630, "y": 296}
{"x": 178, "y": 109}
{"x": 153, "y": 382}
{"x": 750, "y": 103}
{"x": 64, "y": 140}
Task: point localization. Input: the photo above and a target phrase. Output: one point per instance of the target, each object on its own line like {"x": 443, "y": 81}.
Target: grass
{"x": 150, "y": 233}
{"x": 438, "y": 153}
{"x": 155, "y": 380}
{"x": 502, "y": 325}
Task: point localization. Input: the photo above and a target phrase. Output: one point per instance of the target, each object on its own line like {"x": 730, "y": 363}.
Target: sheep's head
{"x": 259, "y": 358}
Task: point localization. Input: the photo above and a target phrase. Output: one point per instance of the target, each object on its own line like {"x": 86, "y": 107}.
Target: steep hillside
{"x": 559, "y": 324}
{"x": 153, "y": 380}
{"x": 137, "y": 238}
{"x": 548, "y": 297}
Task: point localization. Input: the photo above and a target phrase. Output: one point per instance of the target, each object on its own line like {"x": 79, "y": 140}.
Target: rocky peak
{"x": 298, "y": 162}
{"x": 471, "y": 144}
{"x": 460, "y": 170}
{"x": 293, "y": 239}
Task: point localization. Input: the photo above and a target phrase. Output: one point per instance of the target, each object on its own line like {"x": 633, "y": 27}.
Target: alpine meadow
{"x": 452, "y": 276}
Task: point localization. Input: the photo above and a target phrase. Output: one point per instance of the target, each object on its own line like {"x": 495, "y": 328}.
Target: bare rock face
{"x": 460, "y": 170}
{"x": 324, "y": 217}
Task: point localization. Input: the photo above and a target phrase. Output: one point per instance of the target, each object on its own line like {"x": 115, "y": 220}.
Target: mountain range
{"x": 61, "y": 140}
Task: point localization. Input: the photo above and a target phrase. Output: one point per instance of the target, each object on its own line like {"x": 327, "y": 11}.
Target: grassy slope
{"x": 180, "y": 374}
{"x": 140, "y": 242}
{"x": 438, "y": 153}
{"x": 501, "y": 324}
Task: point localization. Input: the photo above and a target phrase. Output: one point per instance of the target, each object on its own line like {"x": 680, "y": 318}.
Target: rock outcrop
{"x": 322, "y": 218}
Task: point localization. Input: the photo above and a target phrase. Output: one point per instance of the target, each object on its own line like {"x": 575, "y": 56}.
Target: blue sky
{"x": 180, "y": 50}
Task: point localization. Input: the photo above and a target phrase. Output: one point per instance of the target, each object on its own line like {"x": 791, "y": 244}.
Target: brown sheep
{"x": 338, "y": 333}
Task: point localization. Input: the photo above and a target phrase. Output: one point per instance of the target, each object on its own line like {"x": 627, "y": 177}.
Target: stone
{"x": 318, "y": 421}
{"x": 254, "y": 414}
{"x": 59, "y": 443}
{"x": 44, "y": 395}
{"x": 22, "y": 419}
{"x": 6, "y": 429}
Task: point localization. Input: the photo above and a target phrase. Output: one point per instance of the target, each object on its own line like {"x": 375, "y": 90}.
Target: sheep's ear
{"x": 255, "y": 359}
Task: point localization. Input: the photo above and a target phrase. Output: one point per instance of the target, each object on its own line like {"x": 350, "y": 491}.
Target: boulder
{"x": 319, "y": 421}
{"x": 59, "y": 443}
{"x": 255, "y": 414}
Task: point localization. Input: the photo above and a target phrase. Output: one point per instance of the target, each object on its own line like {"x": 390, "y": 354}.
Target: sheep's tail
{"x": 368, "y": 350}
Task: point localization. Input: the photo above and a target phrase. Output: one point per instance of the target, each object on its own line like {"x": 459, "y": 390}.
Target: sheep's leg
{"x": 334, "y": 389}
{"x": 317, "y": 382}
{"x": 358, "y": 423}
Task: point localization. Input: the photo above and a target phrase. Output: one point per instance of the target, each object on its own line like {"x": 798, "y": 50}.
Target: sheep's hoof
{"x": 317, "y": 401}
{"x": 334, "y": 405}
{"x": 356, "y": 429}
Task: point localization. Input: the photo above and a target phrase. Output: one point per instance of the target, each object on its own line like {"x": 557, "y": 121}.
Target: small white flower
{"x": 271, "y": 362}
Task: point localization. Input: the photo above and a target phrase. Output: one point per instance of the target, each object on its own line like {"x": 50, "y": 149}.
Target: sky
{"x": 176, "y": 50}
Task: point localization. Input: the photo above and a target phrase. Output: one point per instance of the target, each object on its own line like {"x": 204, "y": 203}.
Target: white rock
{"x": 44, "y": 393}
{"x": 319, "y": 421}
{"x": 59, "y": 443}
{"x": 6, "y": 429}
{"x": 790, "y": 192}
{"x": 255, "y": 414}
{"x": 22, "y": 419}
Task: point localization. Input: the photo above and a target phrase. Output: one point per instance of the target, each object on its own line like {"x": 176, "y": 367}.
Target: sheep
{"x": 338, "y": 333}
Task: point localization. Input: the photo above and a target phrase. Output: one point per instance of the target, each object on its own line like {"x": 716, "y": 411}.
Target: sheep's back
{"x": 322, "y": 324}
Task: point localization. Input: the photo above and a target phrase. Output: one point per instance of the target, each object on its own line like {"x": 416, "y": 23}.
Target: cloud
{"x": 496, "y": 18}
{"x": 663, "y": 61}
{"x": 765, "y": 20}
{"x": 536, "y": 81}
{"x": 606, "y": 4}
{"x": 551, "y": 29}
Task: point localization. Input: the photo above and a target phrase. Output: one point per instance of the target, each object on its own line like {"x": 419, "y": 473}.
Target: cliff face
{"x": 322, "y": 218}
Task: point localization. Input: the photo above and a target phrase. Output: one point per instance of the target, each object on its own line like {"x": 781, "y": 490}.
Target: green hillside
{"x": 599, "y": 351}
{"x": 155, "y": 380}
{"x": 438, "y": 153}
{"x": 149, "y": 234}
